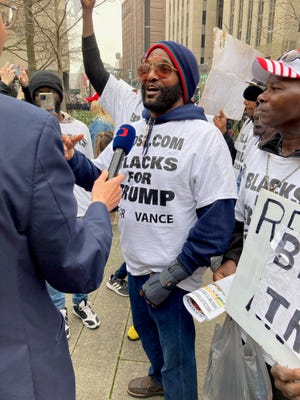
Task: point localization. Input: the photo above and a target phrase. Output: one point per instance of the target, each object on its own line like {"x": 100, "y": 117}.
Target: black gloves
{"x": 158, "y": 287}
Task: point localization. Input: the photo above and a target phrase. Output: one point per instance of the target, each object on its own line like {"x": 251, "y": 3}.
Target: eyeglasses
{"x": 163, "y": 69}
{"x": 291, "y": 56}
{"x": 8, "y": 14}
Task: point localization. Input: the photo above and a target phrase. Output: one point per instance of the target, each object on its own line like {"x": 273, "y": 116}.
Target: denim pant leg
{"x": 167, "y": 333}
{"x": 145, "y": 326}
{"x": 78, "y": 297}
{"x": 177, "y": 337}
{"x": 57, "y": 297}
{"x": 121, "y": 272}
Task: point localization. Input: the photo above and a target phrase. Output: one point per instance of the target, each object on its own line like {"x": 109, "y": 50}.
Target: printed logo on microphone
{"x": 123, "y": 132}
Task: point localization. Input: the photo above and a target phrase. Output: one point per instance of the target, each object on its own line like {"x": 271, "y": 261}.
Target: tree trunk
{"x": 29, "y": 34}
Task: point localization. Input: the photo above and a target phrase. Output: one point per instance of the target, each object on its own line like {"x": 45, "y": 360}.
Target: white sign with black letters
{"x": 265, "y": 294}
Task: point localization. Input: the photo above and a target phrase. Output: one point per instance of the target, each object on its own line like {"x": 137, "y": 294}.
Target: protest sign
{"x": 229, "y": 76}
{"x": 264, "y": 298}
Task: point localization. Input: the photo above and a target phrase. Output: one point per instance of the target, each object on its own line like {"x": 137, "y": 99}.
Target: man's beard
{"x": 164, "y": 101}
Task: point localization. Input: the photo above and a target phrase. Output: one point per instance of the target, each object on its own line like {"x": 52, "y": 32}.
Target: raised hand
{"x": 220, "y": 121}
{"x": 7, "y": 73}
{"x": 23, "y": 78}
{"x": 87, "y": 17}
{"x": 69, "y": 143}
{"x": 88, "y": 4}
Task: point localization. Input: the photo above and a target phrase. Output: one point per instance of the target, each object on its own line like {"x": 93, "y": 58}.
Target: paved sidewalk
{"x": 104, "y": 359}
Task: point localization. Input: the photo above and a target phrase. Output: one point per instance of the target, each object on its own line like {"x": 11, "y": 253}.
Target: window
{"x": 271, "y": 21}
{"x": 259, "y": 22}
{"x": 232, "y": 5}
{"x": 249, "y": 21}
{"x": 220, "y": 13}
{"x": 240, "y": 20}
{"x": 202, "y": 41}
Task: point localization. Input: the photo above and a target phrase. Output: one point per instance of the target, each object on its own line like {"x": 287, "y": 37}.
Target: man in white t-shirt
{"x": 48, "y": 82}
{"x": 122, "y": 101}
{"x": 176, "y": 213}
{"x": 274, "y": 166}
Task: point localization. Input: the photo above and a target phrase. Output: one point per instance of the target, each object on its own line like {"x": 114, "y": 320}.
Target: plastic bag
{"x": 235, "y": 371}
{"x": 259, "y": 383}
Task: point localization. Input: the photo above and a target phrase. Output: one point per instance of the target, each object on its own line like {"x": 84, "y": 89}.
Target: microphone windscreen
{"x": 124, "y": 138}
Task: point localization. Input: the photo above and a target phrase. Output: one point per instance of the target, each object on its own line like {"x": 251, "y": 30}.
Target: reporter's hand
{"x": 109, "y": 191}
{"x": 69, "y": 143}
{"x": 225, "y": 269}
{"x": 287, "y": 380}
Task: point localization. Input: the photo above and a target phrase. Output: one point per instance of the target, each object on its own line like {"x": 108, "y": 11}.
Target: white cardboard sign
{"x": 228, "y": 77}
{"x": 264, "y": 298}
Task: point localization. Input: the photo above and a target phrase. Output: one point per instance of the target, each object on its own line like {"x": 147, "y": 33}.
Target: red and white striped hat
{"x": 287, "y": 66}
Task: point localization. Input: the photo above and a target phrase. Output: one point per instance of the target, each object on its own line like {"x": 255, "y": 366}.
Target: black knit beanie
{"x": 45, "y": 79}
{"x": 186, "y": 64}
{"x": 252, "y": 92}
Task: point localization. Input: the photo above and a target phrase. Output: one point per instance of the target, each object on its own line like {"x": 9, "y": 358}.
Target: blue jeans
{"x": 167, "y": 333}
{"x": 59, "y": 298}
{"x": 121, "y": 272}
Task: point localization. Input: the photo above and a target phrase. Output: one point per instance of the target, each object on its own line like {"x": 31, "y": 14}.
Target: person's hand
{"x": 225, "y": 269}
{"x": 7, "y": 73}
{"x": 109, "y": 191}
{"x": 69, "y": 143}
{"x": 220, "y": 121}
{"x": 287, "y": 380}
{"x": 23, "y": 78}
{"x": 159, "y": 286}
{"x": 88, "y": 4}
{"x": 153, "y": 291}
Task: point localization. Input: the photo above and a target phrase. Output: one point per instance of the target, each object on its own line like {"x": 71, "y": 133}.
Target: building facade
{"x": 143, "y": 24}
{"x": 270, "y": 26}
{"x": 191, "y": 23}
{"x": 39, "y": 39}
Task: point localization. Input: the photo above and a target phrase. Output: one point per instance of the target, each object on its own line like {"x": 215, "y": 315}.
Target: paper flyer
{"x": 209, "y": 301}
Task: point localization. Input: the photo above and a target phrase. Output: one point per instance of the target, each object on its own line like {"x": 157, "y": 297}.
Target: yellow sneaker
{"x": 132, "y": 333}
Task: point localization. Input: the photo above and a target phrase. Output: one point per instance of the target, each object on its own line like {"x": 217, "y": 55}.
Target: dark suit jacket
{"x": 40, "y": 240}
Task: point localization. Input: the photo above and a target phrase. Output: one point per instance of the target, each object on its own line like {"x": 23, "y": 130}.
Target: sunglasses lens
{"x": 143, "y": 70}
{"x": 163, "y": 69}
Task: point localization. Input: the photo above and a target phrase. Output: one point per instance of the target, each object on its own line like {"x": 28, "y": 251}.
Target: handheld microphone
{"x": 122, "y": 144}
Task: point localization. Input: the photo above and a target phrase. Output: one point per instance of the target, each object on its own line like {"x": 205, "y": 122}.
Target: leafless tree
{"x": 44, "y": 34}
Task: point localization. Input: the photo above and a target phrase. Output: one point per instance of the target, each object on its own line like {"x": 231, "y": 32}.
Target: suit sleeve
{"x": 84, "y": 170}
{"x": 70, "y": 254}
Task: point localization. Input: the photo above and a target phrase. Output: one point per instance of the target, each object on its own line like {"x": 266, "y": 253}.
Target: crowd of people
{"x": 183, "y": 200}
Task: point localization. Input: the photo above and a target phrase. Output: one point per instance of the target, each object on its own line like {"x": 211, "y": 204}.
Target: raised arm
{"x": 93, "y": 64}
